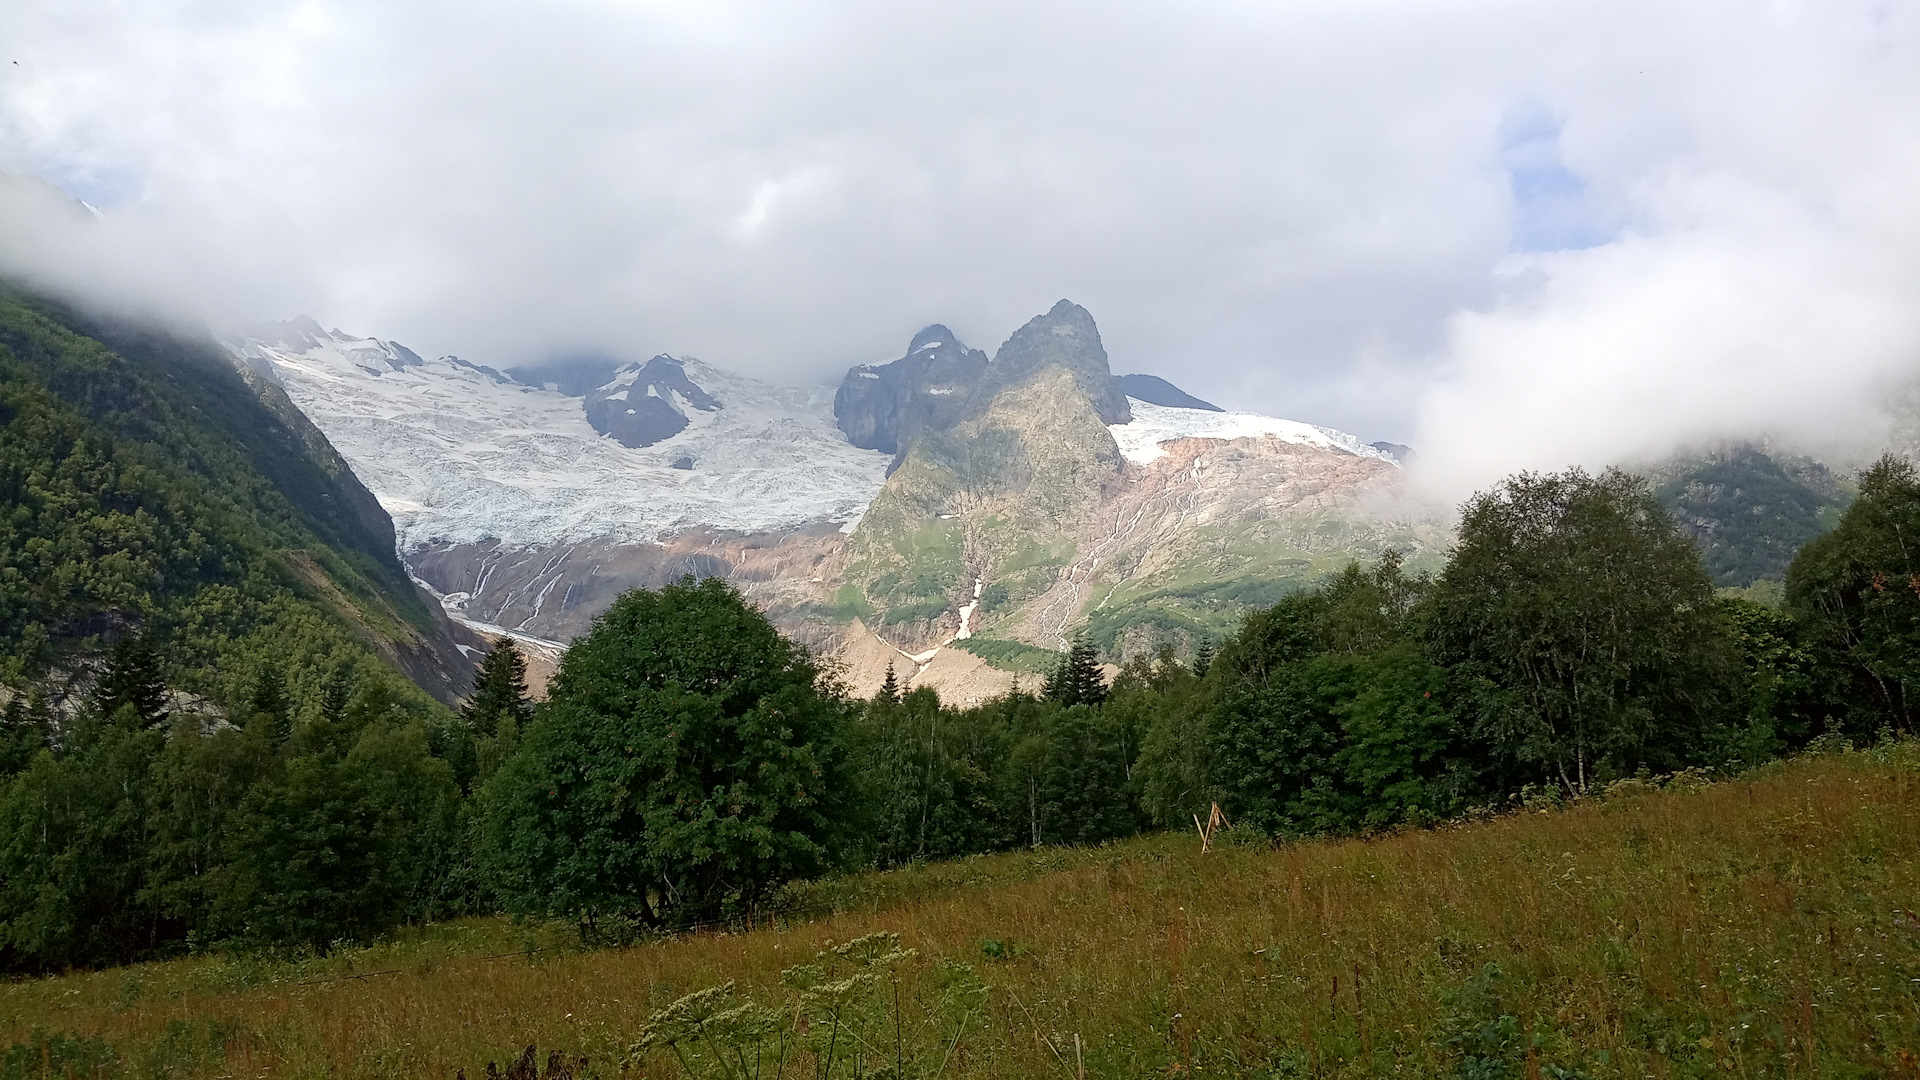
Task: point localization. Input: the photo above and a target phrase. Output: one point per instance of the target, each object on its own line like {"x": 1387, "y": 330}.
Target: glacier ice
{"x": 462, "y": 454}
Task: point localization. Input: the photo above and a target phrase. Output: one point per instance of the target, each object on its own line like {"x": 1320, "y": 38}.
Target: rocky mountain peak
{"x": 302, "y": 334}
{"x": 1155, "y": 390}
{"x": 932, "y": 337}
{"x": 1064, "y": 337}
{"x": 645, "y": 403}
{"x": 939, "y": 382}
{"x": 930, "y": 388}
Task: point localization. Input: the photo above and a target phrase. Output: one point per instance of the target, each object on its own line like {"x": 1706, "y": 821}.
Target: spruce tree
{"x": 337, "y": 692}
{"x": 133, "y": 679}
{"x": 269, "y": 703}
{"x": 499, "y": 690}
{"x": 1077, "y": 680}
{"x": 1202, "y": 658}
{"x": 890, "y": 689}
{"x": 23, "y": 733}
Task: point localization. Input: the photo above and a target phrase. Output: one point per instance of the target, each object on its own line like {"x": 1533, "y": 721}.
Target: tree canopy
{"x": 1580, "y": 618}
{"x": 687, "y": 761}
{"x": 1859, "y": 588}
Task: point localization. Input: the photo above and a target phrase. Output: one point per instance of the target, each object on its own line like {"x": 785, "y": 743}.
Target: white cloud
{"x": 1305, "y": 209}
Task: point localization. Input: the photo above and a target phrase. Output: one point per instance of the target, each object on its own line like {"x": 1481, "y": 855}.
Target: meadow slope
{"x": 1759, "y": 926}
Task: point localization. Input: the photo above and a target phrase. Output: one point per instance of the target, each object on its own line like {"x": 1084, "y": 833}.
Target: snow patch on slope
{"x": 1154, "y": 424}
{"x": 460, "y": 453}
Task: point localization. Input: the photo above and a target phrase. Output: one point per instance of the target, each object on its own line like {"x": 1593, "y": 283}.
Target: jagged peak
{"x": 300, "y": 332}
{"x": 932, "y": 336}
{"x": 663, "y": 373}
{"x": 1067, "y": 337}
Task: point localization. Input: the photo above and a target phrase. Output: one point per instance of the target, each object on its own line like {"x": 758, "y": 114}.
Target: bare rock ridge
{"x": 884, "y": 407}
{"x": 940, "y": 382}
{"x": 643, "y": 404}
{"x": 1155, "y": 390}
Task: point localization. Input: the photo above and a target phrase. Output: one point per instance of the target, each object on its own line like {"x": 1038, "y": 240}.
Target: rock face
{"x": 647, "y": 403}
{"x": 884, "y": 406}
{"x": 1155, "y": 390}
{"x": 941, "y": 383}
{"x": 1066, "y": 338}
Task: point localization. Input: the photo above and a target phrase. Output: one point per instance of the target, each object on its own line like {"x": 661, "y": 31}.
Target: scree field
{"x": 1758, "y": 926}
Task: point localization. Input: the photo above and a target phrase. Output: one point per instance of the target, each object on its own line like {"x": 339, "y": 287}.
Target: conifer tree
{"x": 23, "y": 732}
{"x": 1077, "y": 680}
{"x": 337, "y": 693}
{"x": 890, "y": 689}
{"x": 1202, "y": 658}
{"x": 133, "y": 679}
{"x": 499, "y": 690}
{"x": 269, "y": 703}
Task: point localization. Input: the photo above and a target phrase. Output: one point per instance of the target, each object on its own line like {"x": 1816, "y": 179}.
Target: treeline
{"x": 689, "y": 760}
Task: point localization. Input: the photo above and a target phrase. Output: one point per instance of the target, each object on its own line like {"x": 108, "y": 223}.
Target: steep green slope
{"x": 997, "y": 498}
{"x": 148, "y": 488}
{"x": 1749, "y": 510}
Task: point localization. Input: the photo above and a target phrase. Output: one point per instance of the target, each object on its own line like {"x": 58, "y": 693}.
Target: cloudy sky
{"x": 1513, "y": 234}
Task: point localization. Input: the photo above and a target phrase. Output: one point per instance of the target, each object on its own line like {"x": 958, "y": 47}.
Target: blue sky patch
{"x": 1551, "y": 207}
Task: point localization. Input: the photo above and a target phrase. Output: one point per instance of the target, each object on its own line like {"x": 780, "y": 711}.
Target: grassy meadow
{"x": 1759, "y": 926}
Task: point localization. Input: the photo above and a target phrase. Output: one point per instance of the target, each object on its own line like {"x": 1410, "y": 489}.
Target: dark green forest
{"x": 206, "y": 741}
{"x": 201, "y": 618}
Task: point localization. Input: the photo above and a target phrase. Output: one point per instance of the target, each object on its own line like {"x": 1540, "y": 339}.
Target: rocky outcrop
{"x": 885, "y": 406}
{"x": 940, "y": 383}
{"x": 1155, "y": 390}
{"x": 645, "y": 403}
{"x": 555, "y": 591}
{"x": 1066, "y": 338}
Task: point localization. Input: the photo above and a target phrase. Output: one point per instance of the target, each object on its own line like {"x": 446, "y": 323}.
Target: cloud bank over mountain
{"x": 1510, "y": 234}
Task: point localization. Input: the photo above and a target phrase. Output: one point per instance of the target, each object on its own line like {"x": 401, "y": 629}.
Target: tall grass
{"x": 1762, "y": 926}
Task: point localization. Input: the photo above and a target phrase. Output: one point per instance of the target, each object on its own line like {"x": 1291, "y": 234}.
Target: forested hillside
{"x": 203, "y": 630}
{"x": 1750, "y": 509}
{"x": 149, "y": 483}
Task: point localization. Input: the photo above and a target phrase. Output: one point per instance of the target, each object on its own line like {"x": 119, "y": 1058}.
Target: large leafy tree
{"x": 1064, "y": 780}
{"x": 339, "y": 846}
{"x": 925, "y": 777}
{"x": 73, "y": 835}
{"x": 1325, "y": 715}
{"x": 687, "y": 759}
{"x": 1858, "y": 588}
{"x": 1583, "y": 623}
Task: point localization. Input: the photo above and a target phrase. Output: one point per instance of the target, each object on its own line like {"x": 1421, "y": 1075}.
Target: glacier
{"x": 1155, "y": 424}
{"x": 459, "y": 453}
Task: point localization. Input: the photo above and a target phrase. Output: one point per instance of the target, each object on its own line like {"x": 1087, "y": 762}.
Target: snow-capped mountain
{"x": 462, "y": 453}
{"x": 929, "y": 508}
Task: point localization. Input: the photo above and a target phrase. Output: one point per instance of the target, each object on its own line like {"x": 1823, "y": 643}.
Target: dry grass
{"x": 1761, "y": 926}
